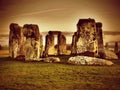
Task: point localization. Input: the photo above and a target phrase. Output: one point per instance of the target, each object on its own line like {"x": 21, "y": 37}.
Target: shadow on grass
{"x": 63, "y": 58}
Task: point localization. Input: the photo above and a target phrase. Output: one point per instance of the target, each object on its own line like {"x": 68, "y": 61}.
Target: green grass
{"x": 57, "y": 76}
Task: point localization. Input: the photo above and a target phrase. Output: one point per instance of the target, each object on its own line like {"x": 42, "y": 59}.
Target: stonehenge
{"x": 28, "y": 41}
{"x": 25, "y": 41}
{"x": 31, "y": 32}
{"x": 84, "y": 40}
{"x": 99, "y": 36}
{"x": 50, "y": 47}
{"x": 16, "y": 40}
{"x": 85, "y": 60}
{"x": 61, "y": 44}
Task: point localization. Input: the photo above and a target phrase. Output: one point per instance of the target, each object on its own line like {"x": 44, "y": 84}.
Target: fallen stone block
{"x": 84, "y": 60}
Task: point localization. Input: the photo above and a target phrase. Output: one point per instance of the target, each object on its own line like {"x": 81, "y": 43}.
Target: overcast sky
{"x": 60, "y": 15}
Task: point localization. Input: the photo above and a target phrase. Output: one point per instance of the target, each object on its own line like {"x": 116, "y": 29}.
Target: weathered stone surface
{"x": 41, "y": 46}
{"x": 31, "y": 31}
{"x": 61, "y": 44}
{"x": 28, "y": 49}
{"x": 32, "y": 44}
{"x": 84, "y": 40}
{"x": 84, "y": 60}
{"x": 99, "y": 36}
{"x": 15, "y": 40}
{"x": 51, "y": 59}
{"x": 49, "y": 46}
{"x": 118, "y": 54}
{"x": 109, "y": 55}
{"x": 116, "y": 49}
{"x": 74, "y": 46}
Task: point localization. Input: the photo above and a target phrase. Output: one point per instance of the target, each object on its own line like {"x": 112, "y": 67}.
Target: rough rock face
{"x": 32, "y": 44}
{"x": 118, "y": 54}
{"x": 116, "y": 49}
{"x": 107, "y": 54}
{"x": 84, "y": 60}
{"x": 49, "y": 46}
{"x": 31, "y": 31}
{"x": 74, "y": 46}
{"x": 61, "y": 44}
{"x": 41, "y": 46}
{"x": 99, "y": 36}
{"x": 15, "y": 40}
{"x": 84, "y": 40}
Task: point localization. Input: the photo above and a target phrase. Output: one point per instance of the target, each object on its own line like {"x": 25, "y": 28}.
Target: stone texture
{"x": 84, "y": 60}
{"x": 74, "y": 46}
{"x": 41, "y": 46}
{"x": 31, "y": 31}
{"x": 84, "y": 40}
{"x": 51, "y": 59}
{"x": 118, "y": 54}
{"x": 99, "y": 36}
{"x": 116, "y": 49}
{"x": 15, "y": 40}
{"x": 49, "y": 46}
{"x": 109, "y": 55}
{"x": 32, "y": 43}
{"x": 25, "y": 41}
{"x": 28, "y": 50}
{"x": 61, "y": 44}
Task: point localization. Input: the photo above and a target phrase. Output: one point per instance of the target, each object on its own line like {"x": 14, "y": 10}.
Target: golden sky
{"x": 61, "y": 15}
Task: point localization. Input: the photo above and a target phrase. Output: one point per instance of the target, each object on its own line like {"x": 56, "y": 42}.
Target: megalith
{"x": 49, "y": 46}
{"x": 84, "y": 40}
{"x": 15, "y": 40}
{"x": 32, "y": 43}
{"x": 61, "y": 44}
{"x": 99, "y": 36}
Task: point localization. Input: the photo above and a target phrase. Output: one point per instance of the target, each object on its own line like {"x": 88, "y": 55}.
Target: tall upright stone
{"x": 74, "y": 46}
{"x": 61, "y": 44}
{"x": 32, "y": 44}
{"x": 86, "y": 41}
{"x": 41, "y": 45}
{"x": 99, "y": 36}
{"x": 49, "y": 46}
{"x": 116, "y": 48}
{"x": 15, "y": 40}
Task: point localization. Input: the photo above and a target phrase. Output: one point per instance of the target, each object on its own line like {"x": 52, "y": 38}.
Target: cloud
{"x": 39, "y": 12}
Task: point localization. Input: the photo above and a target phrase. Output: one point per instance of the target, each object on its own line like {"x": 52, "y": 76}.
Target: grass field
{"x": 20, "y": 75}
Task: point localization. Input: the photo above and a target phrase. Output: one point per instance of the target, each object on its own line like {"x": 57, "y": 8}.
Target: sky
{"x": 61, "y": 15}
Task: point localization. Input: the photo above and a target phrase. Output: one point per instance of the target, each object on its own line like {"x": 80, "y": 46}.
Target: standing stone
{"x": 99, "y": 36}
{"x": 73, "y": 46}
{"x": 116, "y": 49}
{"x": 31, "y": 31}
{"x": 106, "y": 45}
{"x": 49, "y": 46}
{"x": 85, "y": 39}
{"x": 85, "y": 60}
{"x": 15, "y": 40}
{"x": 32, "y": 44}
{"x": 61, "y": 44}
{"x": 41, "y": 46}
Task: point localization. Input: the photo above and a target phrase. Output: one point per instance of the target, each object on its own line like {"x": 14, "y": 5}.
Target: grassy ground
{"x": 57, "y": 76}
